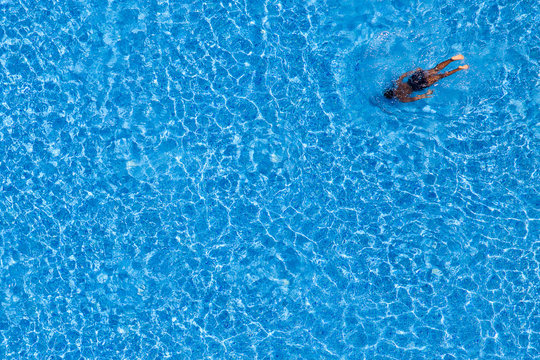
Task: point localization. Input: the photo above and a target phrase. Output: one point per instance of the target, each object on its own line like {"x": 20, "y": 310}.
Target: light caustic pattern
{"x": 223, "y": 179}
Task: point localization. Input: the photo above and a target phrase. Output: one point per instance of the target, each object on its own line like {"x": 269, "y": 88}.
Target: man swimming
{"x": 420, "y": 80}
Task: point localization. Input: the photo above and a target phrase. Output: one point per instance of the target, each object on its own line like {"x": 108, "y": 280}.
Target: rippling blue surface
{"x": 223, "y": 179}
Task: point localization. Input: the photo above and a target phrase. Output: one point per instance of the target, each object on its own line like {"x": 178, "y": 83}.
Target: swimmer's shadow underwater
{"x": 419, "y": 80}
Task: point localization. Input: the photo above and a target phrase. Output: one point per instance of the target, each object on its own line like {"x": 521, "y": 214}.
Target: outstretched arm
{"x": 407, "y": 74}
{"x": 418, "y": 97}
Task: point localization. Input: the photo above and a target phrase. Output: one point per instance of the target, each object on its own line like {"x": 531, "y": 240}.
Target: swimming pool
{"x": 223, "y": 179}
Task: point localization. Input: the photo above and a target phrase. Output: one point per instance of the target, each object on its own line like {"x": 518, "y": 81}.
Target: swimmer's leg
{"x": 445, "y": 63}
{"x": 434, "y": 78}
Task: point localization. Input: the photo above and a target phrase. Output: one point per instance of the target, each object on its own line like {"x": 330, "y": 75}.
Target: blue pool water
{"x": 223, "y": 180}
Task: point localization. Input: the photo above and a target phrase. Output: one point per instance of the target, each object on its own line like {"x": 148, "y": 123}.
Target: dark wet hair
{"x": 389, "y": 94}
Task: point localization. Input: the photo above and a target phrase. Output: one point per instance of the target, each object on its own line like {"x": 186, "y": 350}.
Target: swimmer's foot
{"x": 463, "y": 67}
{"x": 457, "y": 57}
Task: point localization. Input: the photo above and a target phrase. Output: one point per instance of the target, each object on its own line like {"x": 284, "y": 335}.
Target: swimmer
{"x": 420, "y": 80}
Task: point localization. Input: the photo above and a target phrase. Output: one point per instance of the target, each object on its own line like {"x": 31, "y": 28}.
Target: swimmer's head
{"x": 389, "y": 94}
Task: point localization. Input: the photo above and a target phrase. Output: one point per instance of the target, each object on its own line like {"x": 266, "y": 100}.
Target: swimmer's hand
{"x": 425, "y": 96}
{"x": 417, "y": 97}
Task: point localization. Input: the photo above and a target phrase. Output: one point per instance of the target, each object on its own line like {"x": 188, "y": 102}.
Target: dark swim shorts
{"x": 418, "y": 81}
